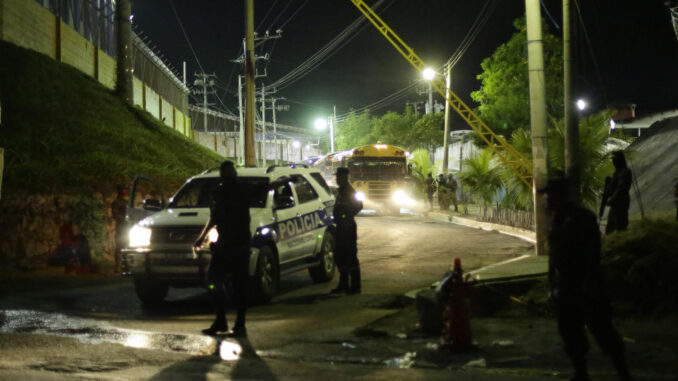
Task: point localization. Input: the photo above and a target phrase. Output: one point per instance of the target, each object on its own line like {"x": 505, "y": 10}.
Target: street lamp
{"x": 429, "y": 74}
{"x": 581, "y": 104}
{"x": 320, "y": 125}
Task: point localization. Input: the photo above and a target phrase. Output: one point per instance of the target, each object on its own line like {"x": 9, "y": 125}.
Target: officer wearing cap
{"x": 230, "y": 214}
{"x": 346, "y": 207}
{"x": 576, "y": 281}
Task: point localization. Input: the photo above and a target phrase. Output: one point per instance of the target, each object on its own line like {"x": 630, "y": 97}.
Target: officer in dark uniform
{"x": 230, "y": 254}
{"x": 430, "y": 189}
{"x": 618, "y": 194}
{"x": 345, "y": 209}
{"x": 576, "y": 281}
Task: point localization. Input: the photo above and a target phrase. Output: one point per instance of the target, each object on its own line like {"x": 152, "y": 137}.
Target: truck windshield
{"x": 197, "y": 193}
{"x": 377, "y": 168}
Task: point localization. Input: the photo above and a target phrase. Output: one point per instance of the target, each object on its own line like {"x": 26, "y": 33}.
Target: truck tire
{"x": 265, "y": 276}
{"x": 149, "y": 291}
{"x": 324, "y": 272}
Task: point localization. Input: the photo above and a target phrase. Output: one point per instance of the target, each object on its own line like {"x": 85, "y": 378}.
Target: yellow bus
{"x": 378, "y": 172}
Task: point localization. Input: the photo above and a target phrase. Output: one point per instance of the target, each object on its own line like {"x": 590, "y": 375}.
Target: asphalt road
{"x": 95, "y": 328}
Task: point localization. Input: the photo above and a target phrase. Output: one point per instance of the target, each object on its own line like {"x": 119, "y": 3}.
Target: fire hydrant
{"x": 456, "y": 333}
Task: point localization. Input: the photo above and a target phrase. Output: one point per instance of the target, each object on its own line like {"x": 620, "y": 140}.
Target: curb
{"x": 523, "y": 234}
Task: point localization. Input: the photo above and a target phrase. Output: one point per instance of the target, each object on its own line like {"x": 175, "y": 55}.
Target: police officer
{"x": 576, "y": 281}
{"x": 452, "y": 186}
{"x": 119, "y": 212}
{"x": 443, "y": 192}
{"x": 618, "y": 194}
{"x": 346, "y": 207}
{"x": 230, "y": 254}
{"x": 430, "y": 189}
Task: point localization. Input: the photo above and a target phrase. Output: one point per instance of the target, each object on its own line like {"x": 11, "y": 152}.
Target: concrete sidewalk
{"x": 525, "y": 267}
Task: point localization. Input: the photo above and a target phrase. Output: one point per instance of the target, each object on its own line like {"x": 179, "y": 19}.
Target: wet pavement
{"x": 101, "y": 331}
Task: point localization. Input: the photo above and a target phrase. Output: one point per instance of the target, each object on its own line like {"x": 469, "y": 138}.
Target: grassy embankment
{"x": 63, "y": 132}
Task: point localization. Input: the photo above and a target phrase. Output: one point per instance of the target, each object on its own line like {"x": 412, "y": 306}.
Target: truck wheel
{"x": 149, "y": 291}
{"x": 266, "y": 276}
{"x": 324, "y": 272}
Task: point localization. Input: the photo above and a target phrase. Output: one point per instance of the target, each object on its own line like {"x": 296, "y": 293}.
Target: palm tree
{"x": 482, "y": 176}
{"x": 421, "y": 167}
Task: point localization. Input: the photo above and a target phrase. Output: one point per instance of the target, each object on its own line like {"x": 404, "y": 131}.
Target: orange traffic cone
{"x": 456, "y": 333}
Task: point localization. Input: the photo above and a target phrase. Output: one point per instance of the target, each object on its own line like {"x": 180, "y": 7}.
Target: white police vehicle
{"x": 291, "y": 226}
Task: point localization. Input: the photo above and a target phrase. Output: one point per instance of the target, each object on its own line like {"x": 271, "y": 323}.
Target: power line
{"x": 320, "y": 56}
{"x": 294, "y": 14}
{"x": 176, "y": 15}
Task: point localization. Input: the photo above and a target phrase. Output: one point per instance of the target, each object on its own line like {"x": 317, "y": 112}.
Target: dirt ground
{"x": 523, "y": 341}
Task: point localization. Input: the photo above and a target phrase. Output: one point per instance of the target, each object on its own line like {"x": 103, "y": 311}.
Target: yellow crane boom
{"x": 508, "y": 155}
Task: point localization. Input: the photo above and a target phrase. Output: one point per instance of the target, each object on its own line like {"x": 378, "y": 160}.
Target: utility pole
{"x": 446, "y": 138}
{"x": 204, "y": 80}
{"x": 250, "y": 159}
{"x": 428, "y": 107}
{"x": 569, "y": 87}
{"x": 263, "y": 123}
{"x": 333, "y": 118}
{"x": 275, "y": 108}
{"x": 535, "y": 55}
{"x": 249, "y": 59}
{"x": 242, "y": 124}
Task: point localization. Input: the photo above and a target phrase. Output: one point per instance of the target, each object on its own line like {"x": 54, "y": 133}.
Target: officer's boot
{"x": 343, "y": 282}
{"x": 355, "y": 287}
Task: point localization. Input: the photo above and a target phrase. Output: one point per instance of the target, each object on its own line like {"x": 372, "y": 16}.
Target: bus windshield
{"x": 377, "y": 168}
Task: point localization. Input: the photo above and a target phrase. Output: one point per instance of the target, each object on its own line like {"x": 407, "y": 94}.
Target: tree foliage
{"x": 482, "y": 176}
{"x": 504, "y": 96}
{"x": 407, "y": 130}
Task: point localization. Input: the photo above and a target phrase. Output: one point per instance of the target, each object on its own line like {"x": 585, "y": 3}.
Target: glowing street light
{"x": 429, "y": 74}
{"x": 581, "y": 104}
{"x": 296, "y": 144}
{"x": 320, "y": 124}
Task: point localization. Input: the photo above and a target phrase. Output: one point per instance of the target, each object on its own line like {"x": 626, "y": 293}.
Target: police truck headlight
{"x": 213, "y": 235}
{"x": 139, "y": 236}
{"x": 360, "y": 196}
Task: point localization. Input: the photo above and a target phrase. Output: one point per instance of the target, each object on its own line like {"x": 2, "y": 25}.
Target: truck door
{"x": 284, "y": 210}
{"x": 145, "y": 198}
{"x": 308, "y": 219}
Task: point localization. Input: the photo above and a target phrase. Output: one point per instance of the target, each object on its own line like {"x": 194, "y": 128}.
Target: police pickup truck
{"x": 291, "y": 226}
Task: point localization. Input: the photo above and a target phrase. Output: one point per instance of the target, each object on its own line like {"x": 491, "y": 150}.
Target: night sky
{"x": 634, "y": 48}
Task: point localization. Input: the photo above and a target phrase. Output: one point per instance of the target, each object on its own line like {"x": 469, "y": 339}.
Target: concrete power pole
{"x": 263, "y": 123}
{"x": 569, "y": 87}
{"x": 242, "y": 124}
{"x": 124, "y": 86}
{"x": 535, "y": 54}
{"x": 205, "y": 81}
{"x": 446, "y": 138}
{"x": 250, "y": 159}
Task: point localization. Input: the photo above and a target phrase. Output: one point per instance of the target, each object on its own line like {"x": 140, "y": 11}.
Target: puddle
{"x": 90, "y": 331}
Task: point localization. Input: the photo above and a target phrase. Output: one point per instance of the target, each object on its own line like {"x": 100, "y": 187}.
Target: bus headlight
{"x": 401, "y": 198}
{"x": 139, "y": 236}
{"x": 360, "y": 196}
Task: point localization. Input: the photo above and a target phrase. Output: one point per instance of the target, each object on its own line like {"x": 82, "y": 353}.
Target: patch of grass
{"x": 640, "y": 265}
{"x": 63, "y": 132}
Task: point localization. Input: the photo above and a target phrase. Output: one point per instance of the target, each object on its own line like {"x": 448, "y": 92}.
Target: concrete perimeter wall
{"x": 28, "y": 24}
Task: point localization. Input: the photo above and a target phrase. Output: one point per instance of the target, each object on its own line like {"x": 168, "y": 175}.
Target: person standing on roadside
{"x": 346, "y": 207}
{"x": 119, "y": 213}
{"x": 618, "y": 194}
{"x": 430, "y": 189}
{"x": 230, "y": 214}
{"x": 576, "y": 280}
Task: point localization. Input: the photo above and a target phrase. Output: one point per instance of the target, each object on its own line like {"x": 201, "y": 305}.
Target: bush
{"x": 640, "y": 266}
